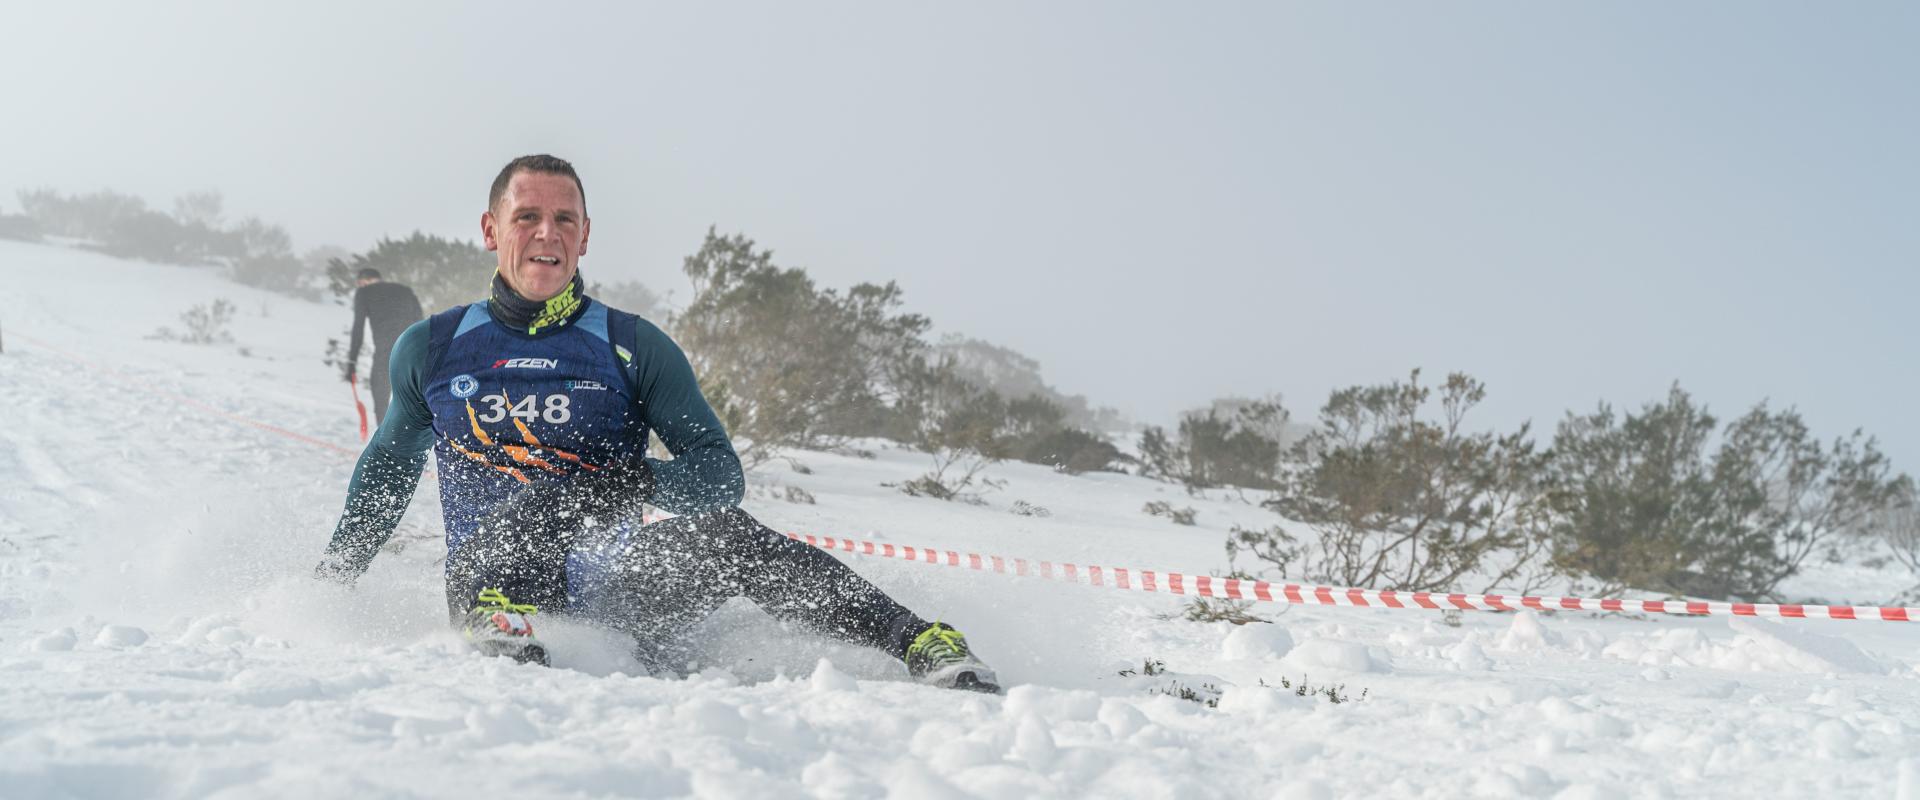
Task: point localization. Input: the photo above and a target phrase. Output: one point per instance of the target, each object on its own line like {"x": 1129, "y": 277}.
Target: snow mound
{"x": 1122, "y": 718}
{"x": 1468, "y": 656}
{"x": 58, "y": 641}
{"x": 1528, "y": 633}
{"x": 1053, "y": 704}
{"x": 1256, "y": 641}
{"x": 828, "y": 678}
{"x": 1835, "y": 739}
{"x": 1758, "y": 646}
{"x": 120, "y": 636}
{"x": 1033, "y": 742}
{"x": 1261, "y": 701}
{"x": 1333, "y": 654}
{"x": 1809, "y": 651}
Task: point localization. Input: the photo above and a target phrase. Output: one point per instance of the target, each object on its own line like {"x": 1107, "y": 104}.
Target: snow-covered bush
{"x": 1656, "y": 500}
{"x": 1389, "y": 499}
{"x": 1237, "y": 446}
{"x": 786, "y": 363}
{"x": 19, "y": 227}
{"x": 263, "y": 257}
{"x": 1073, "y": 451}
{"x": 955, "y": 422}
{"x": 441, "y": 272}
{"x": 1898, "y": 525}
{"x": 1009, "y": 373}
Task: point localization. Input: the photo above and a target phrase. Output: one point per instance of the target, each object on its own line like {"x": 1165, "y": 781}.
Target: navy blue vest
{"x": 511, "y": 409}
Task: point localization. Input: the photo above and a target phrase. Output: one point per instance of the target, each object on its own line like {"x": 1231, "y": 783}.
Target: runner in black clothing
{"x": 390, "y": 308}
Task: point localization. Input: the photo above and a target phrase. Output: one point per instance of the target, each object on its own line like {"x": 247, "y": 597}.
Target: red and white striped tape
{"x": 1146, "y": 580}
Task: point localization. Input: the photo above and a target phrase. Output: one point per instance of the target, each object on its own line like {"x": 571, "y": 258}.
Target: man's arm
{"x": 389, "y": 469}
{"x": 704, "y": 474}
{"x": 359, "y": 325}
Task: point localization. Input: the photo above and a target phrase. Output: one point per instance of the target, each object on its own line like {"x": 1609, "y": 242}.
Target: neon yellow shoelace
{"x": 497, "y": 600}
{"x": 940, "y": 645}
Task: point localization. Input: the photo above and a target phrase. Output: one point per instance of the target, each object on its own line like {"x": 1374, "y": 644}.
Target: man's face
{"x": 539, "y": 230}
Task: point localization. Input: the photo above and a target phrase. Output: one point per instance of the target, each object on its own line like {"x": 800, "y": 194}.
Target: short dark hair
{"x": 550, "y": 165}
{"x": 367, "y": 274}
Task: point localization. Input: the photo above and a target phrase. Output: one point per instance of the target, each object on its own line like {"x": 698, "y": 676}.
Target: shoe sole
{"x": 523, "y": 652}
{"x": 969, "y": 682}
{"x": 964, "y": 678}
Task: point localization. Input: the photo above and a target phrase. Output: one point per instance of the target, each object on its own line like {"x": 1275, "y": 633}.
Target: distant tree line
{"x": 1392, "y": 489}
{"x": 194, "y": 233}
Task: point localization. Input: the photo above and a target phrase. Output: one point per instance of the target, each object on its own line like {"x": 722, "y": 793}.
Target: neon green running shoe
{"x": 939, "y": 656}
{"x": 500, "y": 627}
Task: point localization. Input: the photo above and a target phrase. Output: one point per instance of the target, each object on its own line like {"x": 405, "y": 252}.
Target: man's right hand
{"x": 350, "y": 373}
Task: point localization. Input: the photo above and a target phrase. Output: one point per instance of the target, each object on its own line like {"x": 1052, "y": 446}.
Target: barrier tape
{"x": 1155, "y": 581}
{"x": 1146, "y": 580}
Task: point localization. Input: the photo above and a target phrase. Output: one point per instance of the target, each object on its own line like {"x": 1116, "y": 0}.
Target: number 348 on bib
{"x": 554, "y": 408}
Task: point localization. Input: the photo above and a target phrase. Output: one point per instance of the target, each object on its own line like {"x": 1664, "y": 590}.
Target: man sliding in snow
{"x": 538, "y": 403}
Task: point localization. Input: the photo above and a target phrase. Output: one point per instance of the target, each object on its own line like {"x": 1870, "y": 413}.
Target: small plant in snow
{"x": 783, "y": 493}
{"x": 1026, "y": 509}
{"x": 1220, "y": 609}
{"x": 1207, "y": 695}
{"x": 205, "y": 323}
{"x": 964, "y": 484}
{"x": 1214, "y": 609}
{"x": 1162, "y": 508}
{"x": 1334, "y": 692}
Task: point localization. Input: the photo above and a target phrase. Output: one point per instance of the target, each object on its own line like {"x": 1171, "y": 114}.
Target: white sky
{"x": 1164, "y": 203}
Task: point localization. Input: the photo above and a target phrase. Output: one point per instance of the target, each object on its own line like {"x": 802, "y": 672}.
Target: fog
{"x": 1162, "y": 203}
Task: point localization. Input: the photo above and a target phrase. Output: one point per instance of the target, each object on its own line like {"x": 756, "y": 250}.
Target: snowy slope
{"x": 159, "y": 638}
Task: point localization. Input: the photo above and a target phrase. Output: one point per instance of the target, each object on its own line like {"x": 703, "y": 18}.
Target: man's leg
{"x": 520, "y": 549}
{"x": 377, "y": 383}
{"x": 524, "y": 545}
{"x": 659, "y": 580}
{"x": 497, "y": 578}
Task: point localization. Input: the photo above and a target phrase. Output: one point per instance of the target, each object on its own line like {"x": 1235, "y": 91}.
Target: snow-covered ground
{"x": 159, "y": 637}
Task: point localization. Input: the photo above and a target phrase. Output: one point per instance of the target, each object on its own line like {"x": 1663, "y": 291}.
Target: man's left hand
{"x": 331, "y": 570}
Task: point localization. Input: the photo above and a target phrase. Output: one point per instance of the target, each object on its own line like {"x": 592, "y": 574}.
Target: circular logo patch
{"x": 464, "y": 386}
